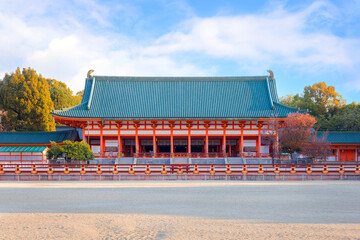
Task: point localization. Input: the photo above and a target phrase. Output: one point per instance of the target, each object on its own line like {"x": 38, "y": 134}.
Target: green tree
{"x": 25, "y": 97}
{"x": 61, "y": 95}
{"x": 346, "y": 118}
{"x": 72, "y": 150}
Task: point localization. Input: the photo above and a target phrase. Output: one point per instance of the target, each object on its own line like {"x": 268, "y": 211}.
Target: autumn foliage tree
{"x": 318, "y": 148}
{"x": 25, "y": 97}
{"x": 296, "y": 131}
{"x": 319, "y": 99}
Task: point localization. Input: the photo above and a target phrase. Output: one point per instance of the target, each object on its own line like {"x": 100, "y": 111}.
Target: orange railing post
{"x": 82, "y": 171}
{"x": 325, "y": 171}
{"x": 2, "y": 169}
{"x": 131, "y": 170}
{"x": 341, "y": 170}
{"x": 34, "y": 170}
{"x": 308, "y": 170}
{"x": 179, "y": 171}
{"x": 50, "y": 170}
{"x": 261, "y": 171}
{"x": 357, "y": 169}
{"x": 66, "y": 171}
{"x": 244, "y": 171}
{"x": 196, "y": 171}
{"x": 212, "y": 170}
{"x": 147, "y": 171}
{"x": 17, "y": 171}
{"x": 115, "y": 171}
{"x": 163, "y": 171}
{"x": 98, "y": 170}
{"x": 277, "y": 171}
{"x": 293, "y": 171}
{"x": 228, "y": 171}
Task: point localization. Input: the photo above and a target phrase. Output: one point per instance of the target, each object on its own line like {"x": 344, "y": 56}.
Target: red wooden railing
{"x": 181, "y": 155}
{"x": 191, "y": 169}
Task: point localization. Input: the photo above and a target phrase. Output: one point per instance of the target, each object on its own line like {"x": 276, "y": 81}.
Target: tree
{"x": 287, "y": 100}
{"x": 346, "y": 118}
{"x": 271, "y": 134}
{"x": 319, "y": 99}
{"x": 72, "y": 150}
{"x": 323, "y": 99}
{"x": 25, "y": 97}
{"x": 61, "y": 95}
{"x": 318, "y": 148}
{"x": 296, "y": 131}
{"x": 2, "y": 113}
{"x": 79, "y": 95}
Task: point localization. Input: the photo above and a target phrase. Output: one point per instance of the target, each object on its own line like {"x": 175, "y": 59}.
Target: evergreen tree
{"x": 72, "y": 150}
{"x": 61, "y": 95}
{"x": 25, "y": 97}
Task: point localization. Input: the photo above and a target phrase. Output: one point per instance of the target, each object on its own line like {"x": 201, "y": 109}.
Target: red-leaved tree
{"x": 319, "y": 148}
{"x": 296, "y": 131}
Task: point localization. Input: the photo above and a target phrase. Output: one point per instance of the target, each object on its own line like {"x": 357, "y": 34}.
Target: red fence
{"x": 181, "y": 169}
{"x": 182, "y": 155}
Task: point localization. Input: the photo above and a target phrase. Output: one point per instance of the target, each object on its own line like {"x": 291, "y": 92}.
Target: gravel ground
{"x": 180, "y": 210}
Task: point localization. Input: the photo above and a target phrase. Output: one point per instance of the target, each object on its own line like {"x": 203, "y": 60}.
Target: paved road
{"x": 287, "y": 202}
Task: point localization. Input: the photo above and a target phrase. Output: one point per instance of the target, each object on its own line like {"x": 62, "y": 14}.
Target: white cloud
{"x": 278, "y": 36}
{"x": 65, "y": 43}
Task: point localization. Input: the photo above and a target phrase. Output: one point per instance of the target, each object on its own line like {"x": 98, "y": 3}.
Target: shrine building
{"x": 185, "y": 117}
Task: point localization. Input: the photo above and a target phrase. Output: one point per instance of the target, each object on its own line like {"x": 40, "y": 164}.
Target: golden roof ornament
{"x": 89, "y": 73}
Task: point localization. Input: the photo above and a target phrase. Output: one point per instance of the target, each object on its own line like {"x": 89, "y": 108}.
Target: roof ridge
{"x": 355, "y": 132}
{"x": 180, "y": 78}
{"x": 68, "y": 108}
{"x": 35, "y": 132}
{"x": 293, "y": 108}
{"x": 269, "y": 94}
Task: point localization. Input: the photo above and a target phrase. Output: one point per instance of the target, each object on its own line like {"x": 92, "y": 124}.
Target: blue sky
{"x": 303, "y": 42}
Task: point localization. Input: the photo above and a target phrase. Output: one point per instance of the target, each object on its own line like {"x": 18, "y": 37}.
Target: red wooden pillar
{"x": 277, "y": 144}
{"x": 171, "y": 143}
{"x": 241, "y": 143}
{"x": 120, "y": 146}
{"x": 171, "y": 138}
{"x": 83, "y": 134}
{"x": 101, "y": 140}
{"x": 154, "y": 143}
{"x": 259, "y": 144}
{"x": 224, "y": 143}
{"x": 154, "y": 138}
{"x": 189, "y": 143}
{"x": 206, "y": 143}
{"x": 137, "y": 146}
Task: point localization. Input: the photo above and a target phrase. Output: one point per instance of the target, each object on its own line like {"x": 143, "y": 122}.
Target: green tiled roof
{"x": 37, "y": 137}
{"x": 342, "y": 137}
{"x": 23, "y": 149}
{"x": 178, "y": 98}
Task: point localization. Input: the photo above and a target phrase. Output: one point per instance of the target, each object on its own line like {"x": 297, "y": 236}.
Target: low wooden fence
{"x": 19, "y": 172}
